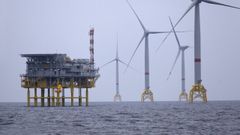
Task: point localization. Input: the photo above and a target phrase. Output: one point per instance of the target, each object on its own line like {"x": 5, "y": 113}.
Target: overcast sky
{"x": 61, "y": 26}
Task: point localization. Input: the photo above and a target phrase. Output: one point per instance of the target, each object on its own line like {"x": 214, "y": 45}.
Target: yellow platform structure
{"x": 198, "y": 91}
{"x": 147, "y": 95}
{"x": 183, "y": 96}
{"x": 57, "y": 96}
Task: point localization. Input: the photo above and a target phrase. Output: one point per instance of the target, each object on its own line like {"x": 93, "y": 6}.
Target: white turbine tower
{"x": 117, "y": 96}
{"x": 198, "y": 89}
{"x": 181, "y": 49}
{"x": 147, "y": 94}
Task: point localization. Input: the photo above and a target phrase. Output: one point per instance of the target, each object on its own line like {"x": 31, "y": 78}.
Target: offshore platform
{"x": 57, "y": 73}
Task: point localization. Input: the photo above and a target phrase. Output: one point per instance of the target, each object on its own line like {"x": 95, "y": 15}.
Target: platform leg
{"x": 49, "y": 101}
{"x": 35, "y": 97}
{"x": 42, "y": 97}
{"x": 80, "y": 97}
{"x": 53, "y": 97}
{"x": 72, "y": 94}
{"x": 28, "y": 97}
{"x": 87, "y": 97}
{"x": 58, "y": 98}
{"x": 63, "y": 97}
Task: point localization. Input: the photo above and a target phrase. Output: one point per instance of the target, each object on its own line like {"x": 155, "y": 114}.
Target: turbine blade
{"x": 221, "y": 4}
{"x": 189, "y": 8}
{"x": 175, "y": 33}
{"x": 157, "y": 32}
{"x": 123, "y": 62}
{"x": 107, "y": 63}
{"x": 134, "y": 53}
{"x": 136, "y": 15}
{"x": 175, "y": 61}
{"x": 164, "y": 32}
{"x": 126, "y": 64}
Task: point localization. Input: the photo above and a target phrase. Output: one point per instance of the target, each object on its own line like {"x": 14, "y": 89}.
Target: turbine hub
{"x": 184, "y": 47}
{"x": 146, "y": 32}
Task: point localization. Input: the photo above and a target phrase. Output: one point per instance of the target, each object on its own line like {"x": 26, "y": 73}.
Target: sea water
{"x": 125, "y": 118}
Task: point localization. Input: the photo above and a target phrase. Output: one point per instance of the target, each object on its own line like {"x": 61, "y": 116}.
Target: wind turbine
{"x": 198, "y": 89}
{"x": 117, "y": 96}
{"x": 147, "y": 94}
{"x": 181, "y": 49}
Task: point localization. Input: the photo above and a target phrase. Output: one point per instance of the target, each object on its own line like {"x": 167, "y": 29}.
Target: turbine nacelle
{"x": 197, "y": 1}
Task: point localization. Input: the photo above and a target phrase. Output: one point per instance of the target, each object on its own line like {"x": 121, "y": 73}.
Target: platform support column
{"x": 48, "y": 98}
{"x": 53, "y": 97}
{"x": 42, "y": 97}
{"x": 28, "y": 97}
{"x": 35, "y": 97}
{"x": 63, "y": 97}
{"x": 59, "y": 88}
{"x": 72, "y": 93}
{"x": 87, "y": 97}
{"x": 58, "y": 99}
{"x": 80, "y": 97}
